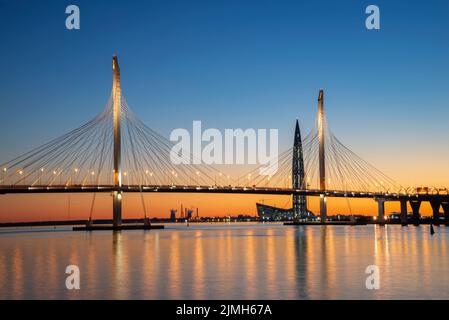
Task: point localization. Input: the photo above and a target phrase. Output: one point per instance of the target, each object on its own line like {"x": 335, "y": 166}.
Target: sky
{"x": 231, "y": 64}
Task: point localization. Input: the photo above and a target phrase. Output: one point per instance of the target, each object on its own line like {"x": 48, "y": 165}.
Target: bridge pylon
{"x": 116, "y": 98}
{"x": 321, "y": 155}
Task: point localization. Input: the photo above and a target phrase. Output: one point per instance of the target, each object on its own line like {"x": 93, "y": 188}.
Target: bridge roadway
{"x": 26, "y": 189}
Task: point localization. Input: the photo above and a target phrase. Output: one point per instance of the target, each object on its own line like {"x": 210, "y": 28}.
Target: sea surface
{"x": 227, "y": 261}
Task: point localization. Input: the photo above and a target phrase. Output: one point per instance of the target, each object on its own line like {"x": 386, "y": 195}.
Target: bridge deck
{"x": 24, "y": 189}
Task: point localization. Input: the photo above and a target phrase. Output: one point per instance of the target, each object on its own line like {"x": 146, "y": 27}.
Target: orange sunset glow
{"x": 56, "y": 207}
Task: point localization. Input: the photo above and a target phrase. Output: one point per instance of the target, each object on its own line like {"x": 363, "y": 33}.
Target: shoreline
{"x": 99, "y": 222}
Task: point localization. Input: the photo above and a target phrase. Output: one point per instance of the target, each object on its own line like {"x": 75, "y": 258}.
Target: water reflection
{"x": 228, "y": 261}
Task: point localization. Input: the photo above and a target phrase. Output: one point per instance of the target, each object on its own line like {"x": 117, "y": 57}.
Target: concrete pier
{"x": 435, "y": 204}
{"x": 404, "y": 212}
{"x": 380, "y": 211}
{"x": 415, "y": 204}
{"x": 445, "y": 206}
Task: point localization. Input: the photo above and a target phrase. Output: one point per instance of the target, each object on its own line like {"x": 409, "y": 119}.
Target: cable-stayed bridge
{"x": 116, "y": 152}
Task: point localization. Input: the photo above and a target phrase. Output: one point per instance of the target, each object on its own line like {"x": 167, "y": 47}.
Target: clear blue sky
{"x": 231, "y": 64}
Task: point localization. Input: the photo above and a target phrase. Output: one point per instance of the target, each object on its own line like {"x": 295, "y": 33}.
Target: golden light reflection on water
{"x": 271, "y": 259}
{"x": 289, "y": 266}
{"x": 120, "y": 265}
{"x": 175, "y": 273}
{"x": 3, "y": 268}
{"x": 228, "y": 261}
{"x": 199, "y": 267}
{"x": 17, "y": 272}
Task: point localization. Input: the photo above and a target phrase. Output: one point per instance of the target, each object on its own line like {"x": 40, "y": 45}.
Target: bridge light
{"x": 92, "y": 173}
{"x": 4, "y": 169}
{"x": 42, "y": 169}
{"x": 54, "y": 171}
{"x": 151, "y": 174}
{"x": 197, "y": 173}
{"x": 124, "y": 173}
{"x": 20, "y": 172}
{"x": 76, "y": 170}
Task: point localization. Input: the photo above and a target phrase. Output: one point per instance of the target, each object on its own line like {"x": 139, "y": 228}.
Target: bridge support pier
{"x": 445, "y": 206}
{"x": 436, "y": 211}
{"x": 415, "y": 204}
{"x": 117, "y": 208}
{"x": 404, "y": 213}
{"x": 380, "y": 211}
{"x": 323, "y": 208}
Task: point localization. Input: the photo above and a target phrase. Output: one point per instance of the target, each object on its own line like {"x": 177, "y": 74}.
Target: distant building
{"x": 172, "y": 215}
{"x": 270, "y": 213}
{"x": 189, "y": 213}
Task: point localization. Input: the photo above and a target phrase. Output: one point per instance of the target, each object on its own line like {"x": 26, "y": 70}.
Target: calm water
{"x": 227, "y": 261}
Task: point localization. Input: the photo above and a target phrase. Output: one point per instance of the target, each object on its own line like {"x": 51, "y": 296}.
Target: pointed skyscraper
{"x": 298, "y": 176}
